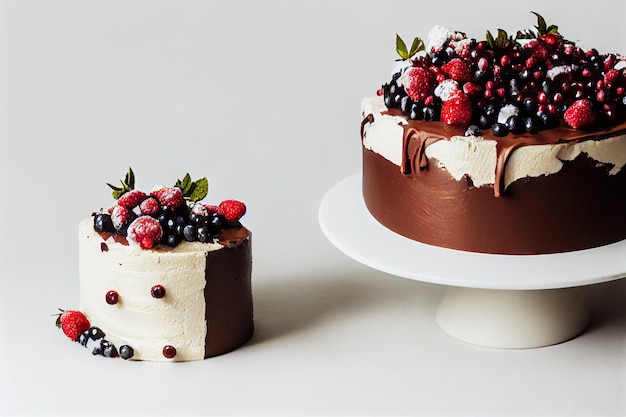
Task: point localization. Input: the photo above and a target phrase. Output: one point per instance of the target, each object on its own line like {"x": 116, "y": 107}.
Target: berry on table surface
{"x": 72, "y": 322}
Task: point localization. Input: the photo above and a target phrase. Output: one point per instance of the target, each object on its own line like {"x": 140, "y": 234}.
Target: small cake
{"x": 164, "y": 277}
{"x": 510, "y": 145}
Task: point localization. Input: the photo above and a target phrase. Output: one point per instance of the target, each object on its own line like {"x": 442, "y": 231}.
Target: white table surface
{"x": 263, "y": 98}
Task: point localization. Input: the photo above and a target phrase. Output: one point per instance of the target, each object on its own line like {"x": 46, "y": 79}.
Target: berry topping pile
{"x": 167, "y": 215}
{"x": 526, "y": 83}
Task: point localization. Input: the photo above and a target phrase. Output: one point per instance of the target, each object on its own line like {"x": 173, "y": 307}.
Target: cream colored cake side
{"x": 139, "y": 320}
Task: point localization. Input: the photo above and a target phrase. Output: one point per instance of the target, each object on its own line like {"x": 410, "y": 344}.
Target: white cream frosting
{"x": 145, "y": 323}
{"x": 476, "y": 157}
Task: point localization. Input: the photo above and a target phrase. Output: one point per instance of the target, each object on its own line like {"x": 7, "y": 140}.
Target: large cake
{"x": 164, "y": 277}
{"x": 511, "y": 145}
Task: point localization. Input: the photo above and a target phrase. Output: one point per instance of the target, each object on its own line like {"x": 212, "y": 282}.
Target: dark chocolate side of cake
{"x": 228, "y": 295}
{"x": 582, "y": 206}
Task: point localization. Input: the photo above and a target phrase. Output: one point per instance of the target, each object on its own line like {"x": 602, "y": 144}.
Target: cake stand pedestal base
{"x": 498, "y": 301}
{"x": 513, "y": 319}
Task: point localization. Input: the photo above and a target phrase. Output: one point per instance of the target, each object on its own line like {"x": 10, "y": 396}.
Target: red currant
{"x": 112, "y": 297}
{"x": 158, "y": 291}
{"x": 169, "y": 351}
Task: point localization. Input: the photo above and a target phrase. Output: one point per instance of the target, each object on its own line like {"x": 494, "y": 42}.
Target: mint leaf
{"x": 541, "y": 24}
{"x": 417, "y": 46}
{"x": 200, "y": 189}
{"x": 186, "y": 183}
{"x": 128, "y": 184}
{"x": 401, "y": 48}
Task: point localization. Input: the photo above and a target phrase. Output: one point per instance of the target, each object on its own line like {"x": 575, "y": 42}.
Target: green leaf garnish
{"x": 501, "y": 41}
{"x": 128, "y": 184}
{"x": 401, "y": 49}
{"x": 200, "y": 190}
{"x": 193, "y": 190}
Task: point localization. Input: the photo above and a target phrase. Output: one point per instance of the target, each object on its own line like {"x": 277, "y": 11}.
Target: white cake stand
{"x": 499, "y": 301}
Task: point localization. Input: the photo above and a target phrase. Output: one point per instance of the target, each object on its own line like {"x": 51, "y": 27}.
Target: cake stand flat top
{"x": 347, "y": 223}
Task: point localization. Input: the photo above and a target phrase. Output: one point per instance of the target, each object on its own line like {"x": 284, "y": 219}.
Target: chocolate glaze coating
{"x": 580, "y": 207}
{"x": 228, "y": 296}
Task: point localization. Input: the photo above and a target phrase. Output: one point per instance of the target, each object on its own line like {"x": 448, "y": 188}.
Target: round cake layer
{"x": 579, "y": 207}
{"x": 556, "y": 191}
{"x": 206, "y": 309}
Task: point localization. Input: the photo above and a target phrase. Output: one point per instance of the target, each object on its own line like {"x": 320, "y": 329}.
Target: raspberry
{"x": 233, "y": 210}
{"x": 213, "y": 209}
{"x": 457, "y": 110}
{"x": 145, "y": 231}
{"x": 418, "y": 83}
{"x": 169, "y": 196}
{"x": 119, "y": 216}
{"x": 149, "y": 206}
{"x": 580, "y": 114}
{"x": 457, "y": 70}
{"x": 131, "y": 199}
{"x": 73, "y": 323}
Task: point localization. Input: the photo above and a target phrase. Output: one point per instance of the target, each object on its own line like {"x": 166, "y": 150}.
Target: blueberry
{"x": 531, "y": 124}
{"x": 102, "y": 223}
{"x": 189, "y": 233}
{"x": 529, "y": 106}
{"x": 405, "y": 105}
{"x": 548, "y": 120}
{"x": 481, "y": 77}
{"x": 500, "y": 129}
{"x": 203, "y": 234}
{"x": 170, "y": 225}
{"x": 484, "y": 121}
{"x": 431, "y": 113}
{"x": 416, "y": 112}
{"x": 473, "y": 130}
{"x": 180, "y": 228}
{"x": 126, "y": 352}
{"x": 515, "y": 124}
{"x": 491, "y": 110}
{"x": 108, "y": 349}
{"x": 171, "y": 239}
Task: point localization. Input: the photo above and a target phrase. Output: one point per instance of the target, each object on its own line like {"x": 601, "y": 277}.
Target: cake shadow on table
{"x": 295, "y": 305}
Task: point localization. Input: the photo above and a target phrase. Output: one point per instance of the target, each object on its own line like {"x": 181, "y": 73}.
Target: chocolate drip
{"x": 414, "y": 143}
{"x": 368, "y": 119}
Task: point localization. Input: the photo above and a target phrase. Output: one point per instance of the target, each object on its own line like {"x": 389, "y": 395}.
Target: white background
{"x": 263, "y": 98}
